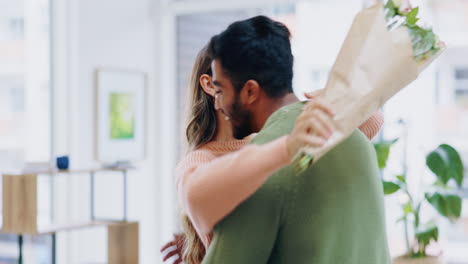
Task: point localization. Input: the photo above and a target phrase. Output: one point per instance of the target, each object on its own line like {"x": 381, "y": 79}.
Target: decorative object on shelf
{"x": 118, "y": 165}
{"x": 443, "y": 195}
{"x": 63, "y": 163}
{"x": 120, "y": 115}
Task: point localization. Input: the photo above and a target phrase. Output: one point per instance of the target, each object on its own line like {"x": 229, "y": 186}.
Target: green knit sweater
{"x": 333, "y": 213}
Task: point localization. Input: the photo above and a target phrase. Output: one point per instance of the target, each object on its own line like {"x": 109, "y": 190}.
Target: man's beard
{"x": 241, "y": 120}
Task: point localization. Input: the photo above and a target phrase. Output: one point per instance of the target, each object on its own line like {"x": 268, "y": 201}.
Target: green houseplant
{"x": 443, "y": 195}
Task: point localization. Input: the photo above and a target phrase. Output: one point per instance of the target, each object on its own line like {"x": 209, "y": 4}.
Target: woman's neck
{"x": 224, "y": 131}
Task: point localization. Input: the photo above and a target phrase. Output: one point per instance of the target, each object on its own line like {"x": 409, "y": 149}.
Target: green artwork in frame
{"x": 122, "y": 116}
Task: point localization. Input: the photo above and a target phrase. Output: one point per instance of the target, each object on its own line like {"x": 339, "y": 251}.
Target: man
{"x": 333, "y": 213}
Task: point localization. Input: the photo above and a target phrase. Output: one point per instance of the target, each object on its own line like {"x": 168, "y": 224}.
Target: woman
{"x": 219, "y": 172}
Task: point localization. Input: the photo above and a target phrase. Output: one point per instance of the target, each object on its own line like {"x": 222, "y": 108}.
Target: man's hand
{"x": 174, "y": 248}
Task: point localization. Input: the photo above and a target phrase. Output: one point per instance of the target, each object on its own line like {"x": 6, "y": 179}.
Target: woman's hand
{"x": 176, "y": 247}
{"x": 313, "y": 127}
{"x": 314, "y": 94}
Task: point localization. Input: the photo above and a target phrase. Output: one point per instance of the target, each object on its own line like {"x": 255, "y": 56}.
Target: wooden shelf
{"x": 122, "y": 238}
{"x": 19, "y": 216}
{"x": 55, "y": 228}
{"x": 54, "y": 171}
{"x": 123, "y": 243}
{"x": 74, "y": 226}
{"x": 19, "y": 204}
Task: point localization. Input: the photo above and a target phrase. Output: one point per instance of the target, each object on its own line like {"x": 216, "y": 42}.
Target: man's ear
{"x": 207, "y": 85}
{"x": 250, "y": 92}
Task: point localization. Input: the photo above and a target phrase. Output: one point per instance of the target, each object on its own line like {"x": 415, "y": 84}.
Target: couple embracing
{"x": 241, "y": 199}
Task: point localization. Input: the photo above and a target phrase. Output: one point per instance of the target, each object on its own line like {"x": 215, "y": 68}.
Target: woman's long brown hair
{"x": 200, "y": 129}
{"x": 201, "y": 121}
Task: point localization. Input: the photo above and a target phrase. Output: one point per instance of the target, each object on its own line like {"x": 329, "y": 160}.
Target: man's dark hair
{"x": 257, "y": 49}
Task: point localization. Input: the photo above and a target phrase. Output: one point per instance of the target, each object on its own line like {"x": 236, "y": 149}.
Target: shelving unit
{"x": 20, "y": 214}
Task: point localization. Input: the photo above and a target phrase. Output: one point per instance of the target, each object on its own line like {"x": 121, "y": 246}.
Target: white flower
{"x": 405, "y": 6}
{"x": 441, "y": 45}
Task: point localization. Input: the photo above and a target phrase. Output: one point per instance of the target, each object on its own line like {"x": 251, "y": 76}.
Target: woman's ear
{"x": 207, "y": 85}
{"x": 250, "y": 93}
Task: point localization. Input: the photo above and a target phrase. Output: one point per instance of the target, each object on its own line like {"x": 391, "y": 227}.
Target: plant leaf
{"x": 390, "y": 187}
{"x": 391, "y": 9}
{"x": 446, "y": 164}
{"x": 383, "y": 151}
{"x": 448, "y": 205}
{"x": 437, "y": 164}
{"x": 411, "y": 17}
{"x": 401, "y": 178}
{"x": 455, "y": 164}
{"x": 427, "y": 233}
{"x": 390, "y": 4}
{"x": 423, "y": 40}
{"x": 407, "y": 208}
{"x": 302, "y": 162}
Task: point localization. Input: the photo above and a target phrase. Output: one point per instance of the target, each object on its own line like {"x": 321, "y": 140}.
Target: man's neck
{"x": 276, "y": 104}
{"x": 288, "y": 99}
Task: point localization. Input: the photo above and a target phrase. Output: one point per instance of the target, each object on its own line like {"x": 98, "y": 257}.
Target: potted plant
{"x": 446, "y": 164}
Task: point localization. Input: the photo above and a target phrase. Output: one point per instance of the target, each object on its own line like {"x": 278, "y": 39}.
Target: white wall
{"x": 90, "y": 34}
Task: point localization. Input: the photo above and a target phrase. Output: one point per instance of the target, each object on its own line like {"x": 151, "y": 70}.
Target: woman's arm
{"x": 209, "y": 188}
{"x": 370, "y": 128}
{"x": 373, "y": 125}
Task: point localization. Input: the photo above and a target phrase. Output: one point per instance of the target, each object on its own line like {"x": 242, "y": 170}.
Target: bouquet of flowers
{"x": 425, "y": 42}
{"x": 384, "y": 51}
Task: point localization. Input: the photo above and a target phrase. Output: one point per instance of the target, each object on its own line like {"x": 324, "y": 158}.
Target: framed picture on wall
{"x": 120, "y": 119}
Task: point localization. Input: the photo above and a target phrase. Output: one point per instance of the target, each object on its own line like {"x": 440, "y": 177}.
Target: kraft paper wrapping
{"x": 372, "y": 66}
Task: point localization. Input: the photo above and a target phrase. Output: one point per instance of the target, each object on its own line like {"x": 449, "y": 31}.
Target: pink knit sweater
{"x": 212, "y": 180}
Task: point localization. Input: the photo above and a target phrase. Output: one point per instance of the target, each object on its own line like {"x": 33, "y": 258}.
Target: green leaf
{"x": 446, "y": 164}
{"x": 448, "y": 205}
{"x": 401, "y": 178}
{"x": 390, "y": 4}
{"x": 422, "y": 39}
{"x": 407, "y": 208}
{"x": 425, "y": 234}
{"x": 390, "y": 9}
{"x": 436, "y": 162}
{"x": 383, "y": 151}
{"x": 390, "y": 187}
{"x": 302, "y": 162}
{"x": 417, "y": 215}
{"x": 455, "y": 164}
{"x": 411, "y": 17}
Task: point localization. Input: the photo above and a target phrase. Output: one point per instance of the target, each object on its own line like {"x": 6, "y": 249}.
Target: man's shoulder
{"x": 279, "y": 123}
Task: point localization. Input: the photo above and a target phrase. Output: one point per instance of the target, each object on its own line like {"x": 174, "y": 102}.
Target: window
{"x": 461, "y": 86}
{"x": 24, "y": 82}
{"x": 25, "y": 108}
